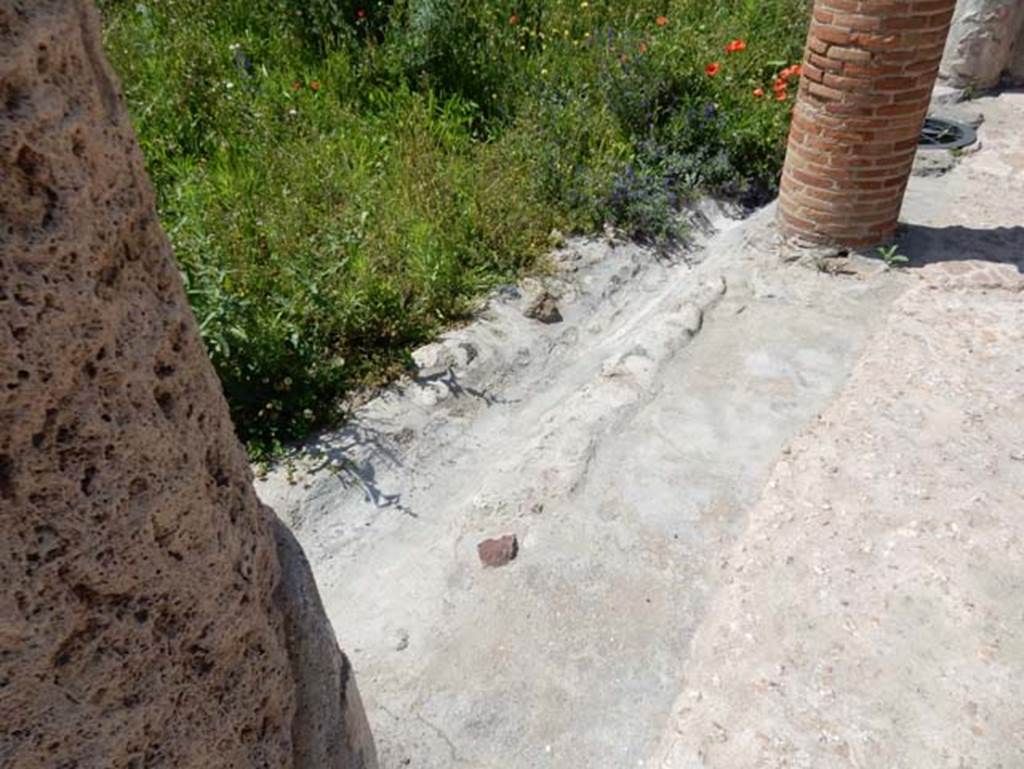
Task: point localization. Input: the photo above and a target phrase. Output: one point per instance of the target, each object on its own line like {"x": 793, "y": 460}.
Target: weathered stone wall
{"x": 1017, "y": 63}
{"x": 868, "y": 74}
{"x": 153, "y": 612}
{"x": 985, "y": 43}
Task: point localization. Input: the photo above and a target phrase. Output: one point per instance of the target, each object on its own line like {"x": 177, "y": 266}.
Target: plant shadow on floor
{"x": 354, "y": 452}
{"x": 333, "y": 452}
{"x": 449, "y": 380}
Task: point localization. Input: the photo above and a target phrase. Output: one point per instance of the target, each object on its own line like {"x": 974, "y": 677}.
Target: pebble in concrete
{"x": 498, "y": 552}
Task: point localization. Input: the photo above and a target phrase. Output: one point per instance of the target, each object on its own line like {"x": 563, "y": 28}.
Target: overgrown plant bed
{"x": 340, "y": 180}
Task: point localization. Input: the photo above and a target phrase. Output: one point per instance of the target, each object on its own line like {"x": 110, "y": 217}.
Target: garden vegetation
{"x": 340, "y": 179}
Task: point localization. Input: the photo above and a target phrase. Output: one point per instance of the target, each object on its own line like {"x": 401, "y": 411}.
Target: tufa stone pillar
{"x": 868, "y": 73}
{"x": 153, "y": 612}
{"x": 982, "y": 41}
{"x": 1016, "y": 72}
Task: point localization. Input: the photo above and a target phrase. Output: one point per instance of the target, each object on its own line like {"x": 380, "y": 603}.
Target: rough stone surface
{"x": 869, "y": 614}
{"x": 627, "y": 447}
{"x": 329, "y": 727}
{"x": 149, "y": 615}
{"x": 983, "y": 41}
{"x": 619, "y": 446}
{"x": 498, "y": 552}
{"x": 933, "y": 163}
{"x": 1016, "y": 73}
{"x": 541, "y": 304}
{"x": 863, "y": 617}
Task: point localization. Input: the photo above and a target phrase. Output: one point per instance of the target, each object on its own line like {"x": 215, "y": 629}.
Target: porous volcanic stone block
{"x": 153, "y": 612}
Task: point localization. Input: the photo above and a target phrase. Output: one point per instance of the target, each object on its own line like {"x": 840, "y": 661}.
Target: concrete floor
{"x": 627, "y": 448}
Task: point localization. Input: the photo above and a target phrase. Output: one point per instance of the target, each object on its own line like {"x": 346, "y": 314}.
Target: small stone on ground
{"x": 543, "y": 307}
{"x": 498, "y": 552}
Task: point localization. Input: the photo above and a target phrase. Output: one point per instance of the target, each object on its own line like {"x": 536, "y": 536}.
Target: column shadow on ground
{"x": 931, "y": 245}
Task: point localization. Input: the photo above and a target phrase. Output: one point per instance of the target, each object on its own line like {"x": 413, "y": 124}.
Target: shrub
{"x": 340, "y": 180}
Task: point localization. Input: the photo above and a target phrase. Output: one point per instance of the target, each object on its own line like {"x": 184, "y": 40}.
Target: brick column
{"x": 867, "y": 78}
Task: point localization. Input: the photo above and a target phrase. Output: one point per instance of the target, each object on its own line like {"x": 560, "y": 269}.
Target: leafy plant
{"x": 341, "y": 178}
{"x": 891, "y": 256}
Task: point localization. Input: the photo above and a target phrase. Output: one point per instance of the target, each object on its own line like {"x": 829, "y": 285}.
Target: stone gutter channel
{"x": 616, "y": 418}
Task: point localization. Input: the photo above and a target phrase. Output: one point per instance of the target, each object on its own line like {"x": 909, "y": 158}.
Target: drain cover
{"x": 942, "y": 134}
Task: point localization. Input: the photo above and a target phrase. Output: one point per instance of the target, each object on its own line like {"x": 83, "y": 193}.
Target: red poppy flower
{"x": 296, "y": 85}
{"x": 712, "y": 69}
{"x": 790, "y": 72}
{"x": 361, "y": 13}
{"x": 758, "y": 93}
{"x": 736, "y": 46}
{"x": 314, "y": 85}
{"x": 661, "y": 21}
{"x": 781, "y": 95}
{"x": 513, "y": 20}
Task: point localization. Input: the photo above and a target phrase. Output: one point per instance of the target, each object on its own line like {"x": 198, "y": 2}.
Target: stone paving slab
{"x": 872, "y": 612}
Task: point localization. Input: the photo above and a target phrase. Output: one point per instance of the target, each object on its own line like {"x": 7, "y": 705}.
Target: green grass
{"x": 341, "y": 180}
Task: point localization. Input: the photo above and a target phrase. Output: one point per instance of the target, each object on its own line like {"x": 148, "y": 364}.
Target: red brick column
{"x": 867, "y": 78}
